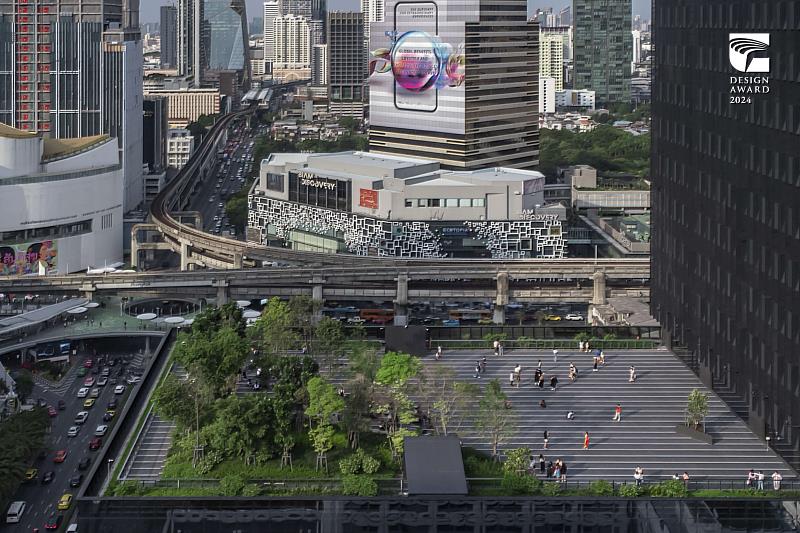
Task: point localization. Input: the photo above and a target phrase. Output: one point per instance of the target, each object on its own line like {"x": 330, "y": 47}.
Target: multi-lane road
{"x": 42, "y": 499}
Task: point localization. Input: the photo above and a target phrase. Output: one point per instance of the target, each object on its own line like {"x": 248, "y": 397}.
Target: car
{"x": 101, "y": 430}
{"x": 47, "y": 477}
{"x": 82, "y": 371}
{"x": 112, "y": 404}
{"x": 64, "y": 502}
{"x": 81, "y": 417}
{"x": 51, "y": 411}
{"x": 133, "y": 380}
{"x": 88, "y": 363}
{"x": 88, "y": 403}
{"x": 94, "y": 393}
{"x": 75, "y": 481}
{"x": 72, "y": 528}
{"x": 83, "y": 392}
{"x": 119, "y": 389}
{"x": 60, "y": 456}
{"x": 552, "y": 318}
{"x": 102, "y": 381}
{"x": 95, "y": 443}
{"x": 73, "y": 431}
{"x": 451, "y": 323}
{"x": 31, "y": 474}
{"x": 485, "y": 321}
{"x": 62, "y": 405}
{"x": 106, "y": 371}
{"x": 88, "y": 382}
{"x": 84, "y": 463}
{"x": 108, "y": 416}
{"x": 355, "y": 320}
{"x": 573, "y": 316}
{"x": 53, "y": 521}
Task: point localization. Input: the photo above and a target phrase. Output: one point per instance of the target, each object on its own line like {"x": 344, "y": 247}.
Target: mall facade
{"x": 61, "y": 203}
{"x": 394, "y": 206}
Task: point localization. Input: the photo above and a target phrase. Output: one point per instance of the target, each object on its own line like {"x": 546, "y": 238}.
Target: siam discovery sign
{"x": 21, "y": 259}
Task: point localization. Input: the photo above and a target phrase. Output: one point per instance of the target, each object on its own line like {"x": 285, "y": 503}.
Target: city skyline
{"x": 255, "y": 8}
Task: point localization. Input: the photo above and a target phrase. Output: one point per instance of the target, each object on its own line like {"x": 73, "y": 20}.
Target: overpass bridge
{"x": 404, "y": 282}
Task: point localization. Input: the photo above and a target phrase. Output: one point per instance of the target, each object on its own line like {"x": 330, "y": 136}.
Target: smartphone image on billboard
{"x": 416, "y": 64}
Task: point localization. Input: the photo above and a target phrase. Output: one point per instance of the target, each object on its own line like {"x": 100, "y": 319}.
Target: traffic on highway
{"x": 82, "y": 407}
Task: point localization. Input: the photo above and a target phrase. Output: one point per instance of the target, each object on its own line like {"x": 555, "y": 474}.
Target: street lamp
{"x": 108, "y": 467}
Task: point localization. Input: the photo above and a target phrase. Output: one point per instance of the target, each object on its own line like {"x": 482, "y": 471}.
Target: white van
{"x": 15, "y": 512}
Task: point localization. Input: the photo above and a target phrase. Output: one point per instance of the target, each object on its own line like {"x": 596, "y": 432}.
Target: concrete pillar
{"x": 134, "y": 248}
{"x": 501, "y": 300}
{"x": 237, "y": 260}
{"x": 599, "y": 292}
{"x": 184, "y": 256}
{"x": 147, "y": 345}
{"x": 401, "y": 301}
{"x": 223, "y": 291}
{"x": 317, "y": 297}
{"x": 88, "y": 289}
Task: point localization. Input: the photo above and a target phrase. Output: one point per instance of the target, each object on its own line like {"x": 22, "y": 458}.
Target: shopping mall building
{"x": 60, "y": 203}
{"x": 386, "y": 205}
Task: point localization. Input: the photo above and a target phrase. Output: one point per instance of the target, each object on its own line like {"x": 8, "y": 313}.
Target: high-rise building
{"x": 551, "y": 57}
{"x": 347, "y": 70}
{"x": 169, "y": 37}
{"x": 319, "y": 65}
{"x": 725, "y": 167}
{"x": 636, "y": 39}
{"x": 456, "y": 82}
{"x": 603, "y": 48}
{"x": 372, "y": 10}
{"x": 298, "y": 8}
{"x": 292, "y": 41}
{"x": 564, "y": 17}
{"x": 547, "y": 95}
{"x": 256, "y": 25}
{"x": 272, "y": 10}
{"x": 155, "y": 129}
{"x": 74, "y": 69}
{"x": 212, "y": 37}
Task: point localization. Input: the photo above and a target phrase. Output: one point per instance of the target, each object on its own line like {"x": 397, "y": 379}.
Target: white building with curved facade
{"x": 60, "y": 203}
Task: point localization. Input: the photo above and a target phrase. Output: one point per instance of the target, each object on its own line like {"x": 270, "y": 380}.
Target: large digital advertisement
{"x": 417, "y": 65}
{"x": 21, "y": 259}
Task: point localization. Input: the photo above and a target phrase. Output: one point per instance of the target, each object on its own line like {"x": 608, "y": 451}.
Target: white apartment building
{"x": 186, "y": 105}
{"x": 575, "y": 99}
{"x": 272, "y": 10}
{"x": 292, "y": 41}
{"x": 373, "y": 12}
{"x": 180, "y": 145}
{"x": 547, "y": 95}
{"x": 319, "y": 65}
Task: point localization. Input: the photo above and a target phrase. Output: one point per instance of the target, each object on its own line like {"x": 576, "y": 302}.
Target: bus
{"x": 377, "y": 316}
{"x": 470, "y": 315}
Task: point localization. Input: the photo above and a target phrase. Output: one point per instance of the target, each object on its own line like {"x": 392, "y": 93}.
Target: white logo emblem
{"x": 748, "y": 52}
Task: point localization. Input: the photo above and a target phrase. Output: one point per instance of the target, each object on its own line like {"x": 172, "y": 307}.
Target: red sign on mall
{"x": 368, "y": 198}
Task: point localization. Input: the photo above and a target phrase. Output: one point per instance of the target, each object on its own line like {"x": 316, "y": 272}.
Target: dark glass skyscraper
{"x": 169, "y": 37}
{"x": 726, "y": 199}
{"x": 603, "y": 48}
{"x": 347, "y": 70}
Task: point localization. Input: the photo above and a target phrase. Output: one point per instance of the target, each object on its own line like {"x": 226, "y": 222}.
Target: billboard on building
{"x": 21, "y": 259}
{"x": 417, "y": 65}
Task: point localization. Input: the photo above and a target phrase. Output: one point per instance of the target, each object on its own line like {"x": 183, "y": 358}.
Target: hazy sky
{"x": 149, "y": 8}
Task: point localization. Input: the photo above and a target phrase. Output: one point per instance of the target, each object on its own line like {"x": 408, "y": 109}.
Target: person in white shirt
{"x": 776, "y": 480}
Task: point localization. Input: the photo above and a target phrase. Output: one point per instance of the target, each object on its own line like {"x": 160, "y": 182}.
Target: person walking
{"x": 496, "y": 347}
{"x": 563, "y": 472}
{"x": 539, "y": 366}
{"x": 594, "y": 365}
{"x": 632, "y": 374}
{"x": 541, "y": 464}
{"x": 557, "y": 470}
{"x": 500, "y": 347}
{"x": 511, "y": 379}
{"x": 617, "y": 414}
{"x": 546, "y": 438}
{"x": 638, "y": 475}
{"x": 751, "y": 479}
{"x": 776, "y": 480}
{"x": 760, "y": 480}
{"x": 553, "y": 383}
{"x": 483, "y": 365}
{"x": 555, "y": 355}
{"x": 602, "y": 358}
{"x": 541, "y": 381}
{"x": 585, "y": 440}
{"x": 438, "y": 352}
{"x": 686, "y": 480}
{"x": 477, "y": 370}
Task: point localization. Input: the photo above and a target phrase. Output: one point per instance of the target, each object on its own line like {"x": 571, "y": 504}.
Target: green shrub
{"x": 369, "y": 464}
{"x": 491, "y": 337}
{"x": 630, "y": 491}
{"x": 231, "y": 485}
{"x": 477, "y": 464}
{"x": 129, "y": 488}
{"x": 517, "y": 461}
{"x": 601, "y": 487}
{"x": 360, "y": 485}
{"x": 359, "y": 462}
{"x": 350, "y": 465}
{"x": 551, "y": 488}
{"x": 672, "y": 488}
{"x": 251, "y": 490}
{"x": 517, "y": 485}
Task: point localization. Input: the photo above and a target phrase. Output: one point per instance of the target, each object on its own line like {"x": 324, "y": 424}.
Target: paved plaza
{"x": 646, "y": 435}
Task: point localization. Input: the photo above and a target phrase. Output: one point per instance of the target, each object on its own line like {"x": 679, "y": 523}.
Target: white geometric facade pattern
{"x": 534, "y": 236}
